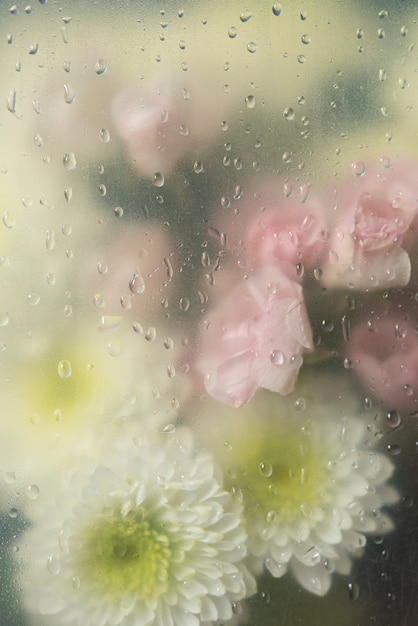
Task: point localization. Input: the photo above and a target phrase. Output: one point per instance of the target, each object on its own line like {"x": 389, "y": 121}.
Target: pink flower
{"x": 134, "y": 271}
{"x": 368, "y": 247}
{"x": 255, "y": 339}
{"x": 160, "y": 125}
{"x": 289, "y": 233}
{"x": 384, "y": 354}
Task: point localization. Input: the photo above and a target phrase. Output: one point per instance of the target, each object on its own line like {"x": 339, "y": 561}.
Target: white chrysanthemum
{"x": 150, "y": 538}
{"x": 312, "y": 485}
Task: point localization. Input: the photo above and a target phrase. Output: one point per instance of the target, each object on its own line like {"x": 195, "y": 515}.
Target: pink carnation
{"x": 289, "y": 233}
{"x": 384, "y": 355}
{"x": 255, "y": 339}
{"x": 369, "y": 244}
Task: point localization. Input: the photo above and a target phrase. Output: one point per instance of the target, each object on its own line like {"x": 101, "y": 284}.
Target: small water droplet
{"x": 69, "y": 161}
{"x": 393, "y": 449}
{"x": 33, "y": 492}
{"x": 11, "y": 102}
{"x": 277, "y": 357}
{"x": 104, "y": 135}
{"x": 13, "y": 513}
{"x": 353, "y": 591}
{"x": 393, "y": 419}
{"x": 277, "y": 8}
{"x": 38, "y": 141}
{"x": 151, "y": 334}
{"x": 306, "y": 39}
{"x": 102, "y": 190}
{"x": 109, "y": 323}
{"x": 184, "y": 304}
{"x": 34, "y": 48}
{"x": 358, "y": 168}
{"x": 301, "y": 59}
{"x": 251, "y": 47}
{"x": 158, "y": 179}
{"x": 265, "y": 469}
{"x": 118, "y": 211}
{"x": 289, "y": 114}
{"x": 64, "y": 369}
{"x": 69, "y": 94}
{"x": 100, "y": 66}
{"x": 114, "y": 348}
{"x": 198, "y": 167}
{"x": 137, "y": 284}
{"x": 4, "y": 318}
{"x": 232, "y": 32}
{"x": 327, "y": 325}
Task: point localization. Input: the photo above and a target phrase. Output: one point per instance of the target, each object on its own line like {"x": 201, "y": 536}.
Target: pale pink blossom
{"x": 255, "y": 338}
{"x": 384, "y": 355}
{"x": 135, "y": 271}
{"x": 159, "y": 125}
{"x": 274, "y": 223}
{"x": 370, "y": 242}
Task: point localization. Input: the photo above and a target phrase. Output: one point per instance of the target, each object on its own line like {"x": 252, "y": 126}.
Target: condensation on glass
{"x": 208, "y": 313}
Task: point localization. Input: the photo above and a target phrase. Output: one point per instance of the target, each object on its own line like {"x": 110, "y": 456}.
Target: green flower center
{"x": 126, "y": 554}
{"x": 58, "y": 387}
{"x": 283, "y": 479}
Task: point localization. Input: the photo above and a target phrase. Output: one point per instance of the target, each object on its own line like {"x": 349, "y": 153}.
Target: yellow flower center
{"x": 125, "y": 555}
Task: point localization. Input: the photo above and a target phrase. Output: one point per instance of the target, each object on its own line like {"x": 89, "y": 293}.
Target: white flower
{"x": 312, "y": 485}
{"x": 150, "y": 538}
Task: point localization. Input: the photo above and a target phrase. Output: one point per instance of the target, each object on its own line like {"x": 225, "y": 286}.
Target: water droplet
{"x": 182, "y": 44}
{"x": 277, "y": 8}
{"x": 118, "y": 211}
{"x": 393, "y": 449}
{"x": 184, "y": 304}
{"x": 301, "y": 59}
{"x": 100, "y": 66}
{"x": 4, "y": 318}
{"x": 33, "y": 492}
{"x": 265, "y": 469}
{"x": 69, "y": 94}
{"x": 13, "y": 513}
{"x": 34, "y": 48}
{"x": 289, "y": 114}
{"x": 408, "y": 390}
{"x": 8, "y": 220}
{"x": 306, "y": 39}
{"x": 251, "y": 47}
{"x": 69, "y": 161}
{"x": 358, "y": 168}
{"x": 64, "y": 369}
{"x": 236, "y": 493}
{"x": 53, "y": 565}
{"x": 225, "y": 202}
{"x": 250, "y": 102}
{"x": 327, "y": 325}
{"x": 38, "y": 141}
{"x": 102, "y": 190}
{"x": 151, "y": 334}
{"x": 114, "y": 348}
{"x": 104, "y": 135}
{"x": 232, "y": 32}
{"x": 11, "y": 102}
{"x": 245, "y": 16}
{"x": 137, "y": 284}
{"x": 198, "y": 167}
{"x": 158, "y": 179}
{"x": 109, "y": 323}
{"x": 393, "y": 419}
{"x": 353, "y": 591}
{"x": 277, "y": 357}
